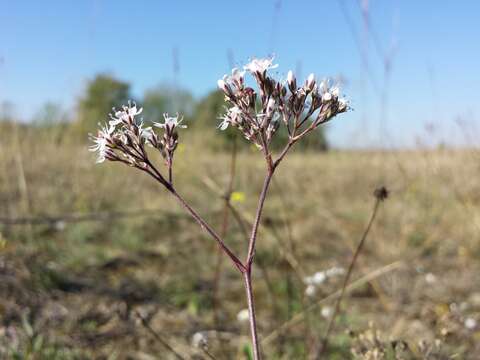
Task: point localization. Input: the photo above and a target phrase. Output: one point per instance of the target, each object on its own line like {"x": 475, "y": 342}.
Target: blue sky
{"x": 48, "y": 49}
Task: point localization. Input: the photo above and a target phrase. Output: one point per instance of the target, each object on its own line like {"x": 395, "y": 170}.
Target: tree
{"x": 166, "y": 98}
{"x": 103, "y": 93}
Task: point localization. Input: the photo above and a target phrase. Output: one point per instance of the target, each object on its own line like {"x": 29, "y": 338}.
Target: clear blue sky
{"x": 48, "y": 49}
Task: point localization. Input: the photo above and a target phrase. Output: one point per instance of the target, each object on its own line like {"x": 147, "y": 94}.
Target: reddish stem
{"x": 237, "y": 262}
{"x": 247, "y": 276}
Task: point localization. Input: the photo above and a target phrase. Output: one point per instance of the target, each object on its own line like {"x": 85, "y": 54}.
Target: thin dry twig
{"x": 157, "y": 336}
{"x": 380, "y": 195}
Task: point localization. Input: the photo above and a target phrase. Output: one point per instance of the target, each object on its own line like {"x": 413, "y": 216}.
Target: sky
{"x": 428, "y": 94}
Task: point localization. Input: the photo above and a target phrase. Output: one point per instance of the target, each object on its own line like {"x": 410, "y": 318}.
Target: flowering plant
{"x": 256, "y": 113}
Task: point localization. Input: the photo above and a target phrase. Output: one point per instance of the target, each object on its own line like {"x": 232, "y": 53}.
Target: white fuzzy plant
{"x": 257, "y": 113}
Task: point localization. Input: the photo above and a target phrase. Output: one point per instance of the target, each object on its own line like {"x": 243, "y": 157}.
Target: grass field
{"x": 78, "y": 287}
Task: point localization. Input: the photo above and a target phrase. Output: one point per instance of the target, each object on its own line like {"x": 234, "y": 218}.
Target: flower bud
{"x": 270, "y": 107}
{"x": 335, "y": 91}
{"x": 327, "y": 97}
{"x": 223, "y": 86}
{"x": 292, "y": 82}
{"x": 342, "y": 105}
{"x": 310, "y": 82}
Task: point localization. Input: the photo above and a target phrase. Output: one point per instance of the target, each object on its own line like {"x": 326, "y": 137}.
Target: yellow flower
{"x": 238, "y": 196}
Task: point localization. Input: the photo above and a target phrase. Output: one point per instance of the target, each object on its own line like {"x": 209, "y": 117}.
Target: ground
{"x": 135, "y": 277}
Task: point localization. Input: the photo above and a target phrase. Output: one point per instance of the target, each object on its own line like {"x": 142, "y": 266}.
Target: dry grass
{"x": 69, "y": 291}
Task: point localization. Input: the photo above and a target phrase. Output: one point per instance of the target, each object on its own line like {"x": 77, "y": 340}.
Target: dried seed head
{"x": 381, "y": 193}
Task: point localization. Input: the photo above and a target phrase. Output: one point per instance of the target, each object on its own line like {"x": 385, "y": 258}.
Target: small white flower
{"x": 335, "y": 91}
{"x": 316, "y": 279}
{"x": 100, "y": 142}
{"x": 222, "y": 85}
{"x": 199, "y": 339}
{"x": 327, "y": 97}
{"x": 319, "y": 277}
{"x": 430, "y": 278}
{"x": 171, "y": 122}
{"x": 470, "y": 323}
{"x": 260, "y": 65}
{"x": 232, "y": 116}
{"x": 310, "y": 290}
{"x": 242, "y": 315}
{"x": 335, "y": 271}
{"x": 342, "y": 104}
{"x": 145, "y": 133}
{"x": 125, "y": 115}
{"x": 326, "y": 311}
{"x": 236, "y": 77}
{"x": 224, "y": 124}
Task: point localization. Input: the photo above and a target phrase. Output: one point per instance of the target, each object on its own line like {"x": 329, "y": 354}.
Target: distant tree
{"x": 101, "y": 94}
{"x": 169, "y": 99}
{"x": 209, "y": 109}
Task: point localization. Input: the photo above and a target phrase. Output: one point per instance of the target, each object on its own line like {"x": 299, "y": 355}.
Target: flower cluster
{"x": 169, "y": 141}
{"x": 124, "y": 138}
{"x": 317, "y": 279}
{"x": 259, "y": 113}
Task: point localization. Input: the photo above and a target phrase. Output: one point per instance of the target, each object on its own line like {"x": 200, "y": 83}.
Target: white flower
{"x": 125, "y": 115}
{"x": 327, "y": 97}
{"x": 470, "y": 323}
{"x": 310, "y": 290}
{"x": 328, "y": 93}
{"x": 236, "y": 77}
{"x": 171, "y": 122}
{"x": 232, "y": 116}
{"x": 199, "y": 339}
{"x": 100, "y": 142}
{"x": 242, "y": 315}
{"x": 430, "y": 278}
{"x": 334, "y": 271}
{"x": 222, "y": 85}
{"x": 145, "y": 133}
{"x": 335, "y": 91}
{"x": 316, "y": 279}
{"x": 224, "y": 124}
{"x": 321, "y": 276}
{"x": 326, "y": 311}
{"x": 260, "y": 65}
{"x": 342, "y": 104}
